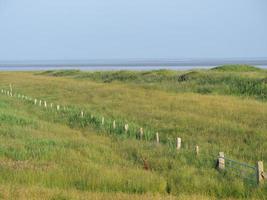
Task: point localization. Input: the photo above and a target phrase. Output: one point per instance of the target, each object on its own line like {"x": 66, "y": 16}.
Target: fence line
{"x": 257, "y": 173}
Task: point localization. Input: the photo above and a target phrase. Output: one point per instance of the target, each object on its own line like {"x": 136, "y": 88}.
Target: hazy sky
{"x": 108, "y": 29}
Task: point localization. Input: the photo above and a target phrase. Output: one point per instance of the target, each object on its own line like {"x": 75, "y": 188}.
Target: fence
{"x": 254, "y": 174}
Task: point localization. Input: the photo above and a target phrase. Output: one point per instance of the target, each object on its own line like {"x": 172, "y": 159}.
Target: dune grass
{"x": 69, "y": 156}
{"x": 236, "y": 80}
{"x": 236, "y": 68}
{"x": 53, "y": 156}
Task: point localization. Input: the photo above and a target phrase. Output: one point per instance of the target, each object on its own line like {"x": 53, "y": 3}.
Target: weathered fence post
{"x": 103, "y": 121}
{"x": 126, "y": 128}
{"x": 157, "y": 137}
{"x": 141, "y": 132}
{"x": 260, "y": 172}
{"x": 35, "y": 101}
{"x": 197, "y": 149}
{"x": 51, "y": 105}
{"x": 82, "y": 114}
{"x": 58, "y": 107}
{"x": 40, "y": 102}
{"x": 45, "y": 105}
{"x": 178, "y": 143}
{"x": 114, "y": 124}
{"x": 11, "y": 90}
{"x": 221, "y": 161}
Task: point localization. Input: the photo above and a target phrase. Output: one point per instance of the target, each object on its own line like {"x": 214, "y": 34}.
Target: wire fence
{"x": 241, "y": 169}
{"x": 74, "y": 117}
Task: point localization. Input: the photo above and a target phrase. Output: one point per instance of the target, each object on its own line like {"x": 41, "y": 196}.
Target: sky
{"x": 137, "y": 29}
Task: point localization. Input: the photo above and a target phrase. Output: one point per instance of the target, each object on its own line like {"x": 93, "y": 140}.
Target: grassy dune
{"x": 42, "y": 153}
{"x": 34, "y": 152}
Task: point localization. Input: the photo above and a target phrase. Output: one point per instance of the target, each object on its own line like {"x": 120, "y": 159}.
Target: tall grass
{"x": 53, "y": 156}
{"x": 73, "y": 118}
{"x": 239, "y": 80}
{"x": 214, "y": 122}
{"x": 237, "y": 68}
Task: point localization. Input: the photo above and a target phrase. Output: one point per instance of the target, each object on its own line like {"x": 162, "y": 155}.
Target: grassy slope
{"x": 36, "y": 155}
{"x": 240, "y": 80}
{"x": 236, "y": 68}
{"x": 206, "y": 120}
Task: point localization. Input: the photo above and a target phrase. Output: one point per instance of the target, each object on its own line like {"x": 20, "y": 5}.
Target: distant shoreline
{"x": 128, "y": 64}
{"x": 137, "y": 62}
{"x": 107, "y": 68}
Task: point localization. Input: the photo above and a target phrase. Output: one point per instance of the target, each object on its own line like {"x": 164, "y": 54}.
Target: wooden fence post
{"x": 45, "y": 105}
{"x": 197, "y": 149}
{"x": 40, "y": 102}
{"x": 157, "y": 137}
{"x": 103, "y": 120}
{"x": 126, "y": 128}
{"x": 141, "y": 132}
{"x": 11, "y": 89}
{"x": 58, "y": 107}
{"x": 114, "y": 124}
{"x": 221, "y": 161}
{"x": 178, "y": 143}
{"x": 51, "y": 105}
{"x": 82, "y": 114}
{"x": 260, "y": 172}
{"x": 35, "y": 101}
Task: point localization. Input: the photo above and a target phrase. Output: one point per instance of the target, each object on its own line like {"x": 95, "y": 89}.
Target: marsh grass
{"x": 68, "y": 159}
{"x": 238, "y": 80}
{"x": 79, "y": 156}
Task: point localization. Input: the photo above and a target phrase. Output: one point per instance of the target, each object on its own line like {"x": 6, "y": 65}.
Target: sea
{"x": 106, "y": 68}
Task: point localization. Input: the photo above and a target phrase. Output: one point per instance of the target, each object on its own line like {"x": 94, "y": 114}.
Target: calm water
{"x": 105, "y": 68}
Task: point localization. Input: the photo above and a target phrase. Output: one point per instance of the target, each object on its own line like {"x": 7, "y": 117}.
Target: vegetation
{"x": 238, "y": 80}
{"x": 64, "y": 156}
{"x": 236, "y": 68}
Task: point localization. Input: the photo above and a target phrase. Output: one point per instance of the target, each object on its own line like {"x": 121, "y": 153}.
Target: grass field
{"x": 49, "y": 155}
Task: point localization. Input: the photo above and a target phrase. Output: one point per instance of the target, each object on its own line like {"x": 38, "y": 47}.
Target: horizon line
{"x": 137, "y": 62}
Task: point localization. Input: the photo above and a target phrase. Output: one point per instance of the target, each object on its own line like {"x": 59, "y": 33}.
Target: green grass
{"x": 66, "y": 155}
{"x": 237, "y": 80}
{"x": 236, "y": 68}
{"x": 51, "y": 155}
